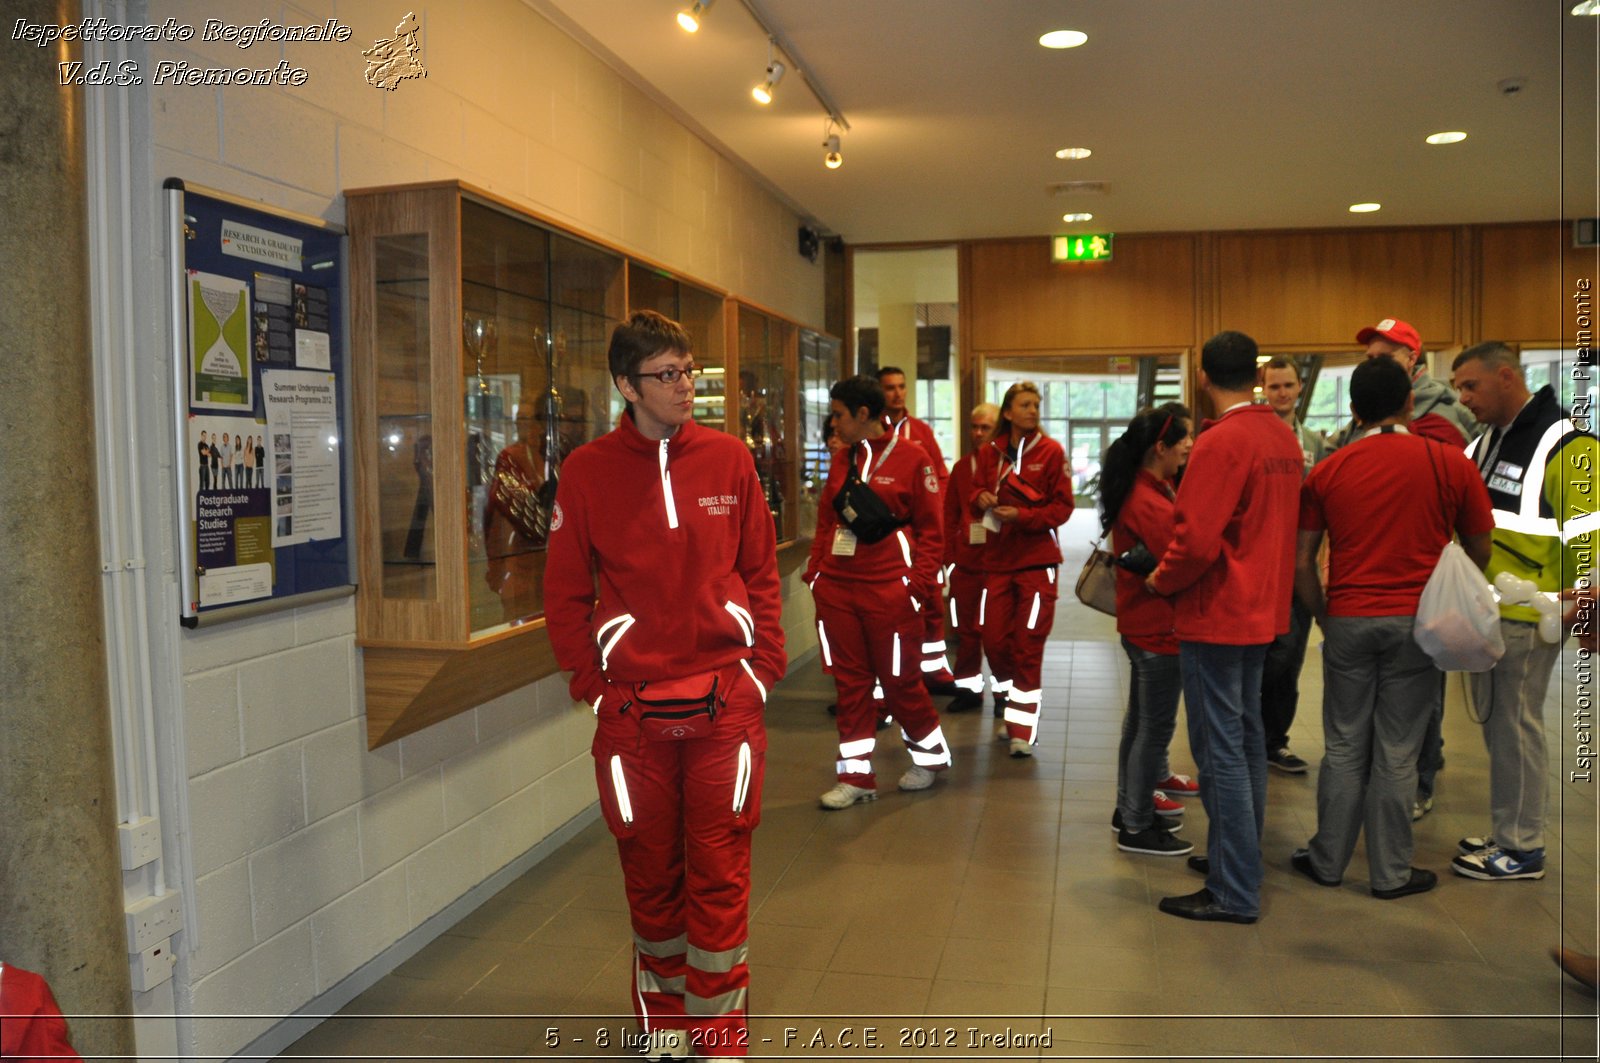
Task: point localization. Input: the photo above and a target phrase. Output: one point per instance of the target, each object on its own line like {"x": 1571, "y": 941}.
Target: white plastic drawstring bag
{"x": 1458, "y": 622}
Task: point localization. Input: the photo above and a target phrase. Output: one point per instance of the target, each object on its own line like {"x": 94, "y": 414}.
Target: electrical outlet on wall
{"x": 152, "y": 966}
{"x": 152, "y": 919}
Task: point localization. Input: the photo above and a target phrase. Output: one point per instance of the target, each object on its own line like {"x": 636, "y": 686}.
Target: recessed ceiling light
{"x": 1077, "y": 217}
{"x": 1365, "y": 208}
{"x": 1063, "y": 38}
{"x": 1453, "y": 137}
{"x": 1084, "y": 153}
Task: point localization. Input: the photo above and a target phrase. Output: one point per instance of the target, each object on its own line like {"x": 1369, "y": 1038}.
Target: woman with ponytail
{"x": 1137, "y": 488}
{"x": 1023, "y": 492}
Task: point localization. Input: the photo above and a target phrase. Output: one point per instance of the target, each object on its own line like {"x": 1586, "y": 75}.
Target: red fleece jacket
{"x": 1231, "y": 562}
{"x": 1144, "y": 619}
{"x": 903, "y": 475}
{"x": 1030, "y": 540}
{"x": 662, "y": 561}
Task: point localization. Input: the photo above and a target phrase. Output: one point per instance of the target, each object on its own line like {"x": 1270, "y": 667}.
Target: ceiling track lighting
{"x": 832, "y": 157}
{"x": 690, "y": 19}
{"x": 762, "y": 93}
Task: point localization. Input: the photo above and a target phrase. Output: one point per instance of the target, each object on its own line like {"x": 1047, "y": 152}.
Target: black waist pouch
{"x": 863, "y": 512}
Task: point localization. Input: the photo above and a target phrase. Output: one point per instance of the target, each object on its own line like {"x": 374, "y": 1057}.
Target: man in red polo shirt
{"x": 1389, "y": 502}
{"x": 1230, "y": 568}
{"x": 898, "y": 420}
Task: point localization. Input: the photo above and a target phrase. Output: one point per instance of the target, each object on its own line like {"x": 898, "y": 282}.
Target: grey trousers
{"x": 1509, "y": 701}
{"x": 1378, "y": 691}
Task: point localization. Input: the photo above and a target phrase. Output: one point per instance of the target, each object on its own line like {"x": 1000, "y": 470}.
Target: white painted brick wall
{"x": 312, "y": 854}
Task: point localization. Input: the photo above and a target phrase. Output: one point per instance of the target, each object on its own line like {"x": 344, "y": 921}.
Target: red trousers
{"x": 871, "y": 632}
{"x": 966, "y": 594}
{"x": 934, "y": 662}
{"x": 682, "y": 813}
{"x": 1018, "y": 609}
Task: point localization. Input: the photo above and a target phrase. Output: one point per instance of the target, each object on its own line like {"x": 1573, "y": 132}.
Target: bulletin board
{"x": 262, "y": 388}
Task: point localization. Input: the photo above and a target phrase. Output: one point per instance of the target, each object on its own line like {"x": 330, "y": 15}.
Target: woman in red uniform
{"x": 1136, "y": 492}
{"x": 662, "y": 600}
{"x": 869, "y": 579}
{"x": 1023, "y": 493}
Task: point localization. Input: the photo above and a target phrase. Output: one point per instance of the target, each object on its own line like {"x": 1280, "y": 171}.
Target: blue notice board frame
{"x": 262, "y": 402}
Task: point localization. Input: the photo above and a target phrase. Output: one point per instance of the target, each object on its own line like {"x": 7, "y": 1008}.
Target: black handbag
{"x": 862, "y": 511}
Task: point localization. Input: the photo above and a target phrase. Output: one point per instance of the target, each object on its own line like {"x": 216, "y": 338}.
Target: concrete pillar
{"x": 897, "y": 343}
{"x": 60, "y": 877}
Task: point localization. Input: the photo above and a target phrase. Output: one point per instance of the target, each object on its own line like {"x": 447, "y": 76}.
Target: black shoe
{"x": 1201, "y": 864}
{"x": 1152, "y": 841}
{"x": 1172, "y": 826}
{"x": 1421, "y": 881}
{"x": 1300, "y": 860}
{"x": 965, "y": 701}
{"x": 940, "y": 687}
{"x": 1286, "y": 762}
{"x": 1202, "y": 906}
{"x": 999, "y": 706}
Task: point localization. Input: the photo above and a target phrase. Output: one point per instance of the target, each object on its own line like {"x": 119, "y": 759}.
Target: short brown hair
{"x": 644, "y": 335}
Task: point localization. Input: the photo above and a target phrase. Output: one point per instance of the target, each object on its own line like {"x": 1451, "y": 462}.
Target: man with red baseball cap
{"x": 1436, "y": 412}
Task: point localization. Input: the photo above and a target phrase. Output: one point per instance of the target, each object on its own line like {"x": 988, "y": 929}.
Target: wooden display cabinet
{"x": 479, "y": 336}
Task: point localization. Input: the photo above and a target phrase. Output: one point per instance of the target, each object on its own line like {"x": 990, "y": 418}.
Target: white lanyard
{"x": 869, "y": 464}
{"x": 1014, "y": 466}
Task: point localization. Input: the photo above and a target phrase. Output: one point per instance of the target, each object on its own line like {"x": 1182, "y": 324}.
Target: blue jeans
{"x": 1222, "y": 687}
{"x": 1147, "y": 728}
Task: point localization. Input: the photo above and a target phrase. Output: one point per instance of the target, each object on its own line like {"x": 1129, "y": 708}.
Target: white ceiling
{"x": 1202, "y": 114}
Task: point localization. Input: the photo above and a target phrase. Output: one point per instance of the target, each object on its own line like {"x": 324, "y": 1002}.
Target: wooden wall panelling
{"x": 1143, "y": 298}
{"x": 1305, "y": 288}
{"x": 1527, "y": 276}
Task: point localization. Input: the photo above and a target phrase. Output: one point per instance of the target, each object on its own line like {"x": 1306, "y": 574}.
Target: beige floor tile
{"x": 1001, "y": 891}
{"x": 877, "y": 997}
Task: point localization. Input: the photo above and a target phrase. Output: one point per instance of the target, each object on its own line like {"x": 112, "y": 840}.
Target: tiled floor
{"x": 999, "y": 900}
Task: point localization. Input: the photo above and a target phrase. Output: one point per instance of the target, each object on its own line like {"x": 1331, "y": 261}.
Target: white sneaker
{"x": 916, "y": 778}
{"x": 1001, "y": 731}
{"x": 843, "y": 795}
{"x": 1421, "y": 807}
{"x": 664, "y": 1045}
{"x": 1021, "y": 748}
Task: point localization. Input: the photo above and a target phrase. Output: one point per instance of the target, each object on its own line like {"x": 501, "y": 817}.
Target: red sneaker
{"x": 1166, "y": 806}
{"x": 1179, "y": 786}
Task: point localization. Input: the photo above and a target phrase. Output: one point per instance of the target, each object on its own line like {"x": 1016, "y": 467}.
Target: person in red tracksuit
{"x": 898, "y": 420}
{"x": 964, "y": 537}
{"x": 869, "y": 595}
{"x": 1023, "y": 492}
{"x": 661, "y": 585}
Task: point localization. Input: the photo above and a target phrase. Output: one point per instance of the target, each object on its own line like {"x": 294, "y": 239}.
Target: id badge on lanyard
{"x": 844, "y": 542}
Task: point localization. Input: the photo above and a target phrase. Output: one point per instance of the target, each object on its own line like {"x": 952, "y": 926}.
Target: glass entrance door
{"x": 1087, "y": 402}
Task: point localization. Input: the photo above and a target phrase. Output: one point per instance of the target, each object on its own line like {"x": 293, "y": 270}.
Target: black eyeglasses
{"x": 671, "y": 375}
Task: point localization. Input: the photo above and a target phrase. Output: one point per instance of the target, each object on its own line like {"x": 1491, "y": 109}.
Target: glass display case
{"x": 479, "y": 336}
{"x": 818, "y": 363}
{"x": 767, "y": 350}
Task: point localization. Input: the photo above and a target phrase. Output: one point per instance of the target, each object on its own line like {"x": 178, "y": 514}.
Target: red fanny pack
{"x": 1015, "y": 490}
{"x": 674, "y": 710}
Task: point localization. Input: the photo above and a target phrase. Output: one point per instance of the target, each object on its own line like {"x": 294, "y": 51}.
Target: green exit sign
{"x": 1081, "y": 247}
